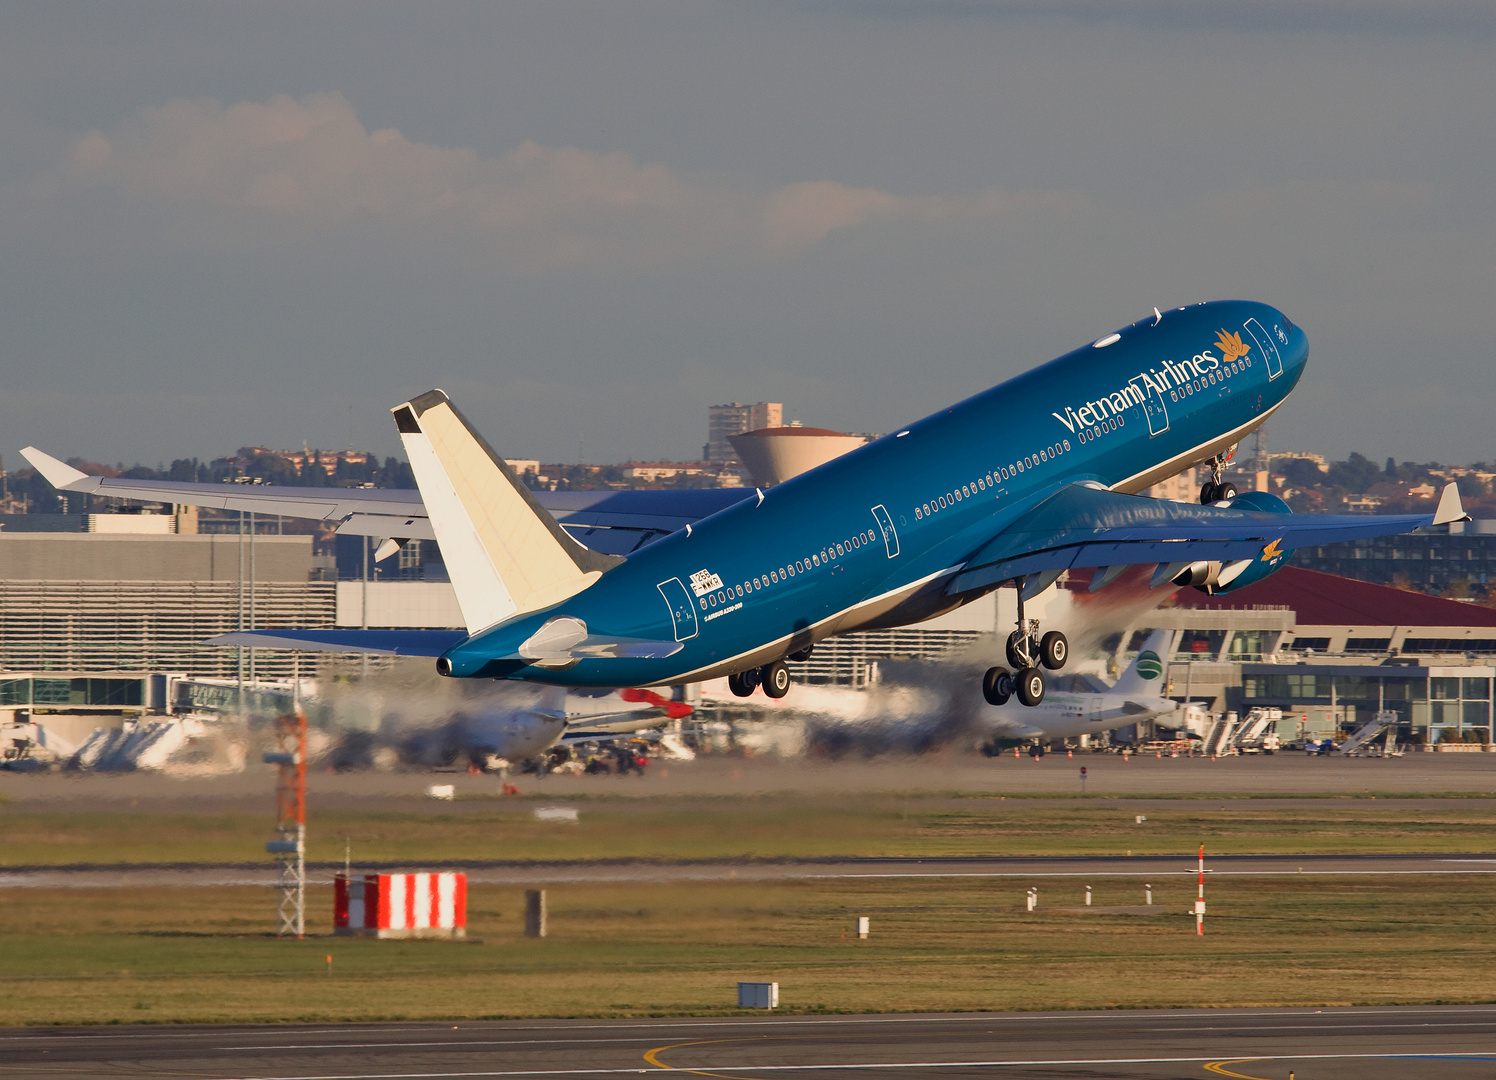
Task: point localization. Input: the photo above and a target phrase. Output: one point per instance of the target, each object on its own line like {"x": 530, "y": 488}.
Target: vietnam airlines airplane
{"x": 1011, "y": 487}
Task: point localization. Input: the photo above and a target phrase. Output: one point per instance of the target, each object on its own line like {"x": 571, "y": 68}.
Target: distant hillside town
{"x": 753, "y": 445}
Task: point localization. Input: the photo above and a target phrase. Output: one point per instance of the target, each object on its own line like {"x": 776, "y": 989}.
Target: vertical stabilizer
{"x": 1144, "y": 677}
{"x": 504, "y": 553}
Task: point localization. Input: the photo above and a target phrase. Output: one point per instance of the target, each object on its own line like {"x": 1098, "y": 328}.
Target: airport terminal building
{"x": 1327, "y": 650}
{"x": 1330, "y": 651}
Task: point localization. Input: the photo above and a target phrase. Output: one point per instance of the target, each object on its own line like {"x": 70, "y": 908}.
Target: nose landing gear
{"x": 1213, "y": 490}
{"x": 1029, "y": 653}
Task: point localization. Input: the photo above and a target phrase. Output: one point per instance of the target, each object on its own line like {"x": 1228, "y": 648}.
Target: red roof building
{"x": 1340, "y": 615}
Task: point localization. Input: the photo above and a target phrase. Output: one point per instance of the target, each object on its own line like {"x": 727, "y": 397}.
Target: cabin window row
{"x": 1111, "y": 423}
{"x": 1204, "y": 382}
{"x": 824, "y": 557}
{"x": 991, "y": 480}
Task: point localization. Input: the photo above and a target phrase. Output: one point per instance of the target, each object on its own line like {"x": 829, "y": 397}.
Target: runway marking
{"x": 1103, "y": 1015}
{"x": 1011, "y": 1063}
{"x": 453, "y": 1042}
{"x": 1219, "y": 1067}
{"x": 1254, "y": 1029}
{"x": 651, "y": 1056}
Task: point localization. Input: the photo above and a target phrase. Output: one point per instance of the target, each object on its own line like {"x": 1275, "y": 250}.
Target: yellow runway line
{"x": 1219, "y": 1067}
{"x": 650, "y": 1056}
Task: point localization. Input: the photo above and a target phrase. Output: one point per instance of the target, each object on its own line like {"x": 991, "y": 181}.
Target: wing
{"x": 1082, "y": 526}
{"x": 384, "y": 642}
{"x": 611, "y": 522}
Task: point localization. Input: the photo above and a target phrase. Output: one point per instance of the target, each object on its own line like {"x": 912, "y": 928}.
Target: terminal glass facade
{"x": 98, "y": 693}
{"x": 1434, "y": 704}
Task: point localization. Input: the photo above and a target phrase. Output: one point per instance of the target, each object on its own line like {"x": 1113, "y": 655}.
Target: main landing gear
{"x": 1213, "y": 490}
{"x": 774, "y": 678}
{"x": 1028, "y": 654}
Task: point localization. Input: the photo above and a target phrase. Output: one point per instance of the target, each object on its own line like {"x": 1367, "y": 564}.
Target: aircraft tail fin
{"x": 505, "y": 554}
{"x": 1144, "y": 677}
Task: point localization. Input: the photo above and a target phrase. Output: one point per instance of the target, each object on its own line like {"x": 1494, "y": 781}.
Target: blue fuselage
{"x": 874, "y": 538}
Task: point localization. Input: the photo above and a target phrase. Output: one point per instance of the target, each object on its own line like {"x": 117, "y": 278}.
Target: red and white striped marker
{"x": 401, "y": 905}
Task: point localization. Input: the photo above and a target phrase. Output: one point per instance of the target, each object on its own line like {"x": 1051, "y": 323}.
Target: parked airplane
{"x": 1013, "y": 486}
{"x": 1137, "y": 696}
{"x": 560, "y": 719}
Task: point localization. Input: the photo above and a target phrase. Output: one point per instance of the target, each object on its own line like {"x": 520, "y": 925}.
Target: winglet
{"x": 1450, "y": 508}
{"x": 59, "y": 474}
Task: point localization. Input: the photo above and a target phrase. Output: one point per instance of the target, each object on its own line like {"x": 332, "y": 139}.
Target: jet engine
{"x": 1215, "y": 578}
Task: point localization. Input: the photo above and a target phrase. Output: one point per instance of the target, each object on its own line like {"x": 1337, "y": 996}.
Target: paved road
{"x": 1264, "y": 1044}
{"x": 125, "y": 875}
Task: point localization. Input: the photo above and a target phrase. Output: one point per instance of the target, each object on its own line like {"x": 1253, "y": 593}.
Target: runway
{"x": 1453, "y": 1042}
{"x": 596, "y": 871}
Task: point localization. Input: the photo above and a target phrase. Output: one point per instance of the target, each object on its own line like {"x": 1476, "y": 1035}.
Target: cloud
{"x": 292, "y": 164}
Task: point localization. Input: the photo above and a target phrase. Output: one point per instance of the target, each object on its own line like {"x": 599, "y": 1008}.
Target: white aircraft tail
{"x": 504, "y": 553}
{"x": 1144, "y": 677}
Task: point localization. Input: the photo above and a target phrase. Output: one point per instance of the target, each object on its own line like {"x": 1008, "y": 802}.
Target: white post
{"x": 864, "y": 925}
{"x": 1088, "y": 896}
{"x": 1200, "y": 900}
{"x": 1148, "y": 894}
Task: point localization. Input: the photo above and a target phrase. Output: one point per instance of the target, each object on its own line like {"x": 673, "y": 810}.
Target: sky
{"x": 249, "y": 223}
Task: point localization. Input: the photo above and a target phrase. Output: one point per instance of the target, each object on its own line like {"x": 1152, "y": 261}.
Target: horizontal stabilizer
{"x": 567, "y": 638}
{"x": 604, "y": 648}
{"x": 384, "y": 642}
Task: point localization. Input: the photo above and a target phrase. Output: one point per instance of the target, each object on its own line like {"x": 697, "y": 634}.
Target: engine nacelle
{"x": 1228, "y": 577}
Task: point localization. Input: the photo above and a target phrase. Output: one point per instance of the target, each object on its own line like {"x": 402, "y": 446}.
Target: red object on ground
{"x": 401, "y": 905}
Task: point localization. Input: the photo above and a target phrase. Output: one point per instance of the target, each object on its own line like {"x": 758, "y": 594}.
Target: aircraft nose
{"x": 1296, "y": 349}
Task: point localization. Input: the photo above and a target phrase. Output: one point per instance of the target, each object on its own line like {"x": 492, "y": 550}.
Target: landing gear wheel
{"x": 1031, "y": 686}
{"x": 1054, "y": 650}
{"x": 743, "y": 683}
{"x": 1212, "y": 492}
{"x": 1020, "y": 650}
{"x": 997, "y": 686}
{"x": 775, "y": 678}
{"x": 800, "y": 655}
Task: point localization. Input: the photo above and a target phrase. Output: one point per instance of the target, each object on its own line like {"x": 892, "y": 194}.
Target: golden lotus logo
{"x": 1272, "y": 551}
{"x": 1231, "y": 345}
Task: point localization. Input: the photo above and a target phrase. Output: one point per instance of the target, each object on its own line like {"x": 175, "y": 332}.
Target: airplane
{"x": 1136, "y": 697}
{"x": 559, "y": 718}
{"x": 1010, "y": 488}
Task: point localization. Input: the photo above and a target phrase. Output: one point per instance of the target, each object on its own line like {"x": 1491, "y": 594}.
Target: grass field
{"x": 204, "y": 954}
{"x": 138, "y": 955}
{"x": 695, "y": 828}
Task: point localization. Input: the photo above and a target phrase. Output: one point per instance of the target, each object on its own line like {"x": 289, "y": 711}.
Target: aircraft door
{"x": 682, "y": 608}
{"x": 885, "y": 526}
{"x": 1153, "y": 407}
{"x": 1267, "y": 348}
